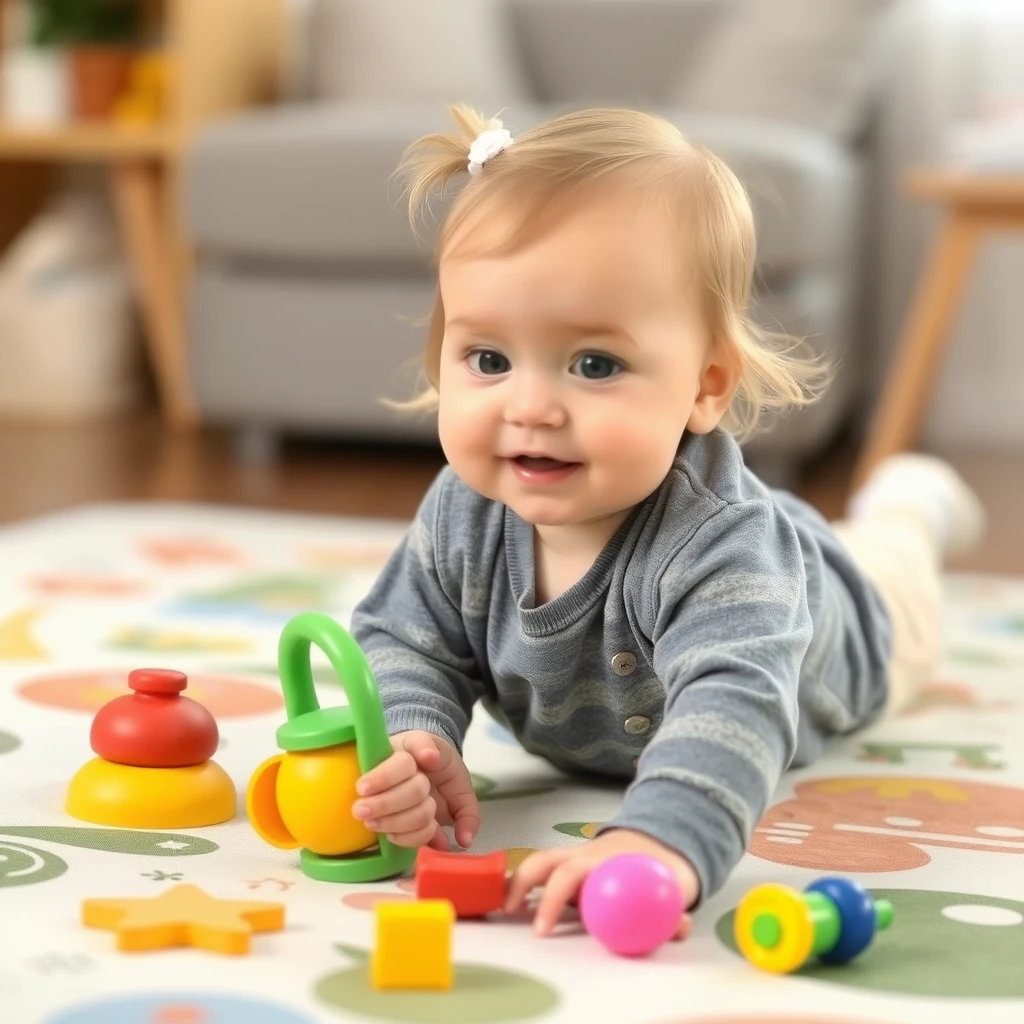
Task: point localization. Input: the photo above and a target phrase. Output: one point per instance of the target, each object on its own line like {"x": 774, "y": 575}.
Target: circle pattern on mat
{"x": 482, "y": 994}
{"x": 25, "y": 865}
{"x": 939, "y": 944}
{"x": 223, "y": 696}
{"x": 179, "y": 1008}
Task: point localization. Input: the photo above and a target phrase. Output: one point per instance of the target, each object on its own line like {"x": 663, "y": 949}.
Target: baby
{"x": 596, "y": 565}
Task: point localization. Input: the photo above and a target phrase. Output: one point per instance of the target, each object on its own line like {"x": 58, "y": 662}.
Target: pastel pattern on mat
{"x": 931, "y": 804}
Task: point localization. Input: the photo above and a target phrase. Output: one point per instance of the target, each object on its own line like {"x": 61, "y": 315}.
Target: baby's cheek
{"x": 635, "y": 445}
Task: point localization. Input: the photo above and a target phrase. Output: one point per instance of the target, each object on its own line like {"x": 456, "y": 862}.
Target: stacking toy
{"x": 304, "y": 797}
{"x": 153, "y": 768}
{"x": 631, "y": 904}
{"x": 835, "y": 919}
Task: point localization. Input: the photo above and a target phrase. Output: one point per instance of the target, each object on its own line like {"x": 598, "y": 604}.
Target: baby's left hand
{"x": 562, "y": 870}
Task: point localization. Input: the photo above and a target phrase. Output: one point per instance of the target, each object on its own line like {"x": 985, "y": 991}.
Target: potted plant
{"x": 100, "y": 37}
{"x": 33, "y": 72}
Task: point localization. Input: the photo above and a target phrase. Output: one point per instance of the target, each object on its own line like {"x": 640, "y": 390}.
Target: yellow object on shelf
{"x": 143, "y": 101}
{"x": 106, "y": 793}
{"x": 304, "y": 798}
{"x": 414, "y": 945}
{"x": 184, "y": 915}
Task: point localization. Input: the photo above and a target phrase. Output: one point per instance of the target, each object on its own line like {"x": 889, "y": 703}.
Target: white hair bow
{"x": 487, "y": 144}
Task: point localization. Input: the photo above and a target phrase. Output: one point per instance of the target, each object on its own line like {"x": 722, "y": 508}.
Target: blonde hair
{"x": 776, "y": 372}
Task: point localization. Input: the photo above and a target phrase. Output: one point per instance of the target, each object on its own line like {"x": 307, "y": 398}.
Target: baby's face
{"x": 570, "y": 365}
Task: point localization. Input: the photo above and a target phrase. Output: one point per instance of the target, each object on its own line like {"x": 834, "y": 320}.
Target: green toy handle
{"x": 353, "y": 671}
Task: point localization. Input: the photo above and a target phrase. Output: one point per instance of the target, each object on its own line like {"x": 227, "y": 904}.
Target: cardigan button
{"x": 623, "y": 663}
{"x": 637, "y": 725}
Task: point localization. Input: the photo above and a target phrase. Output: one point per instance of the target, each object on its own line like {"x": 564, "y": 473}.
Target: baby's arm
{"x": 731, "y": 627}
{"x": 411, "y": 630}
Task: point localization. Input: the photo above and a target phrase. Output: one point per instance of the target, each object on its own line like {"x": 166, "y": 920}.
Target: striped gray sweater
{"x": 721, "y": 636}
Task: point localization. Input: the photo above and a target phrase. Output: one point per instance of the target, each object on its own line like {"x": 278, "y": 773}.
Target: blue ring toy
{"x": 856, "y": 911}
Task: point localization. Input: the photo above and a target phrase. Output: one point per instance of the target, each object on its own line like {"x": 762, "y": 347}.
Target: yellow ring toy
{"x": 773, "y": 929}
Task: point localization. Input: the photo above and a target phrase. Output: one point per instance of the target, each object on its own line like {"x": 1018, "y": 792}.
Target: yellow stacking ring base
{"x": 105, "y": 793}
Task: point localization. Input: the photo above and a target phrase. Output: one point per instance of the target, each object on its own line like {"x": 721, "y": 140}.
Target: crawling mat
{"x": 926, "y": 811}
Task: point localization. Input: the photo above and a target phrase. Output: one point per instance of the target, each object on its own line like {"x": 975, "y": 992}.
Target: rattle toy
{"x": 631, "y": 904}
{"x": 835, "y": 919}
{"x": 304, "y": 797}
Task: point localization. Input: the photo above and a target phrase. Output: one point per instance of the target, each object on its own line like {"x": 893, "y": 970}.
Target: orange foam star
{"x": 183, "y": 915}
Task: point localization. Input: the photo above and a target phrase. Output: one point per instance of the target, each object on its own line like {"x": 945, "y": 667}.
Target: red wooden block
{"x": 475, "y": 884}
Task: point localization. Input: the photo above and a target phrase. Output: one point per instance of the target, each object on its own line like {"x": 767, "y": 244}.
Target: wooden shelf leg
{"x": 137, "y": 189}
{"x": 897, "y": 421}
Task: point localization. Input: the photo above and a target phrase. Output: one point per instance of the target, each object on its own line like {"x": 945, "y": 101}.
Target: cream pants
{"x": 898, "y": 552}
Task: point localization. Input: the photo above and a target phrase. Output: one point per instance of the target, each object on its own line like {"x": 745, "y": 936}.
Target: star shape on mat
{"x": 184, "y": 915}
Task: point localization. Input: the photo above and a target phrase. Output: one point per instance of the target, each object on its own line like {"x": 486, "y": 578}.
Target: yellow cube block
{"x": 414, "y": 945}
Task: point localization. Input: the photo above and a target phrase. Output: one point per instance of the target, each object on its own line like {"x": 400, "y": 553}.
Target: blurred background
{"x": 207, "y": 284}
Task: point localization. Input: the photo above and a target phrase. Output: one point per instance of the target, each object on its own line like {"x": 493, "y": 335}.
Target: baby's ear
{"x": 718, "y": 382}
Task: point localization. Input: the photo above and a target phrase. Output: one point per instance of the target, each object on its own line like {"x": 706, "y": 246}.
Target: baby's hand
{"x": 422, "y": 786}
{"x": 563, "y": 869}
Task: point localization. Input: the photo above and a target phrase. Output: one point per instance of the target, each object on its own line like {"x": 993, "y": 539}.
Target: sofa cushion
{"x": 807, "y": 62}
{"x": 805, "y": 189}
{"x": 316, "y": 184}
{"x": 606, "y": 51}
{"x": 313, "y": 183}
{"x": 407, "y": 50}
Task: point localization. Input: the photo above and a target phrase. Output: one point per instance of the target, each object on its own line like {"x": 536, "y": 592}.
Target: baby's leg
{"x": 913, "y": 512}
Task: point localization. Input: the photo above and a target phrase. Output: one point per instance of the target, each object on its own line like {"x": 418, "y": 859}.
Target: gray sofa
{"x": 308, "y": 281}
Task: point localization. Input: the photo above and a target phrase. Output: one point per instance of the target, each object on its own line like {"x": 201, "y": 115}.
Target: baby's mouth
{"x": 541, "y": 463}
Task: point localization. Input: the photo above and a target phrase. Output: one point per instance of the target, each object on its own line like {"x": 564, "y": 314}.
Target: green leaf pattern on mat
{"x": 966, "y": 755}
{"x": 8, "y": 742}
{"x": 115, "y": 840}
{"x": 265, "y": 595}
{"x": 487, "y": 789}
{"x": 579, "y": 829}
{"x": 481, "y": 995}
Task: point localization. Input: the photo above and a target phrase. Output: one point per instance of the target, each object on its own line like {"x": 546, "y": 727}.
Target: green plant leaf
{"x": 83, "y": 22}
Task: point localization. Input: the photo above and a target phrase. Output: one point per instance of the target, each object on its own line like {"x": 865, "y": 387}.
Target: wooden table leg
{"x": 137, "y": 188}
{"x": 897, "y": 421}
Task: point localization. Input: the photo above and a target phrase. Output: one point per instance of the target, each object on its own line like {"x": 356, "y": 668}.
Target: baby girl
{"x": 596, "y": 565}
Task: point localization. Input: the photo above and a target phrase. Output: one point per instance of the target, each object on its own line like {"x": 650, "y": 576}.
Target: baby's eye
{"x": 594, "y": 366}
{"x": 488, "y": 362}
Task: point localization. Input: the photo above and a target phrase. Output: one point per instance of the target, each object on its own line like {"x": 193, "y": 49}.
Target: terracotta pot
{"x": 99, "y": 75}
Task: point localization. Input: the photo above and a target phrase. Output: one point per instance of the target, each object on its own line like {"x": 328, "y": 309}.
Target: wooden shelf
{"x": 977, "y": 188}
{"x": 84, "y": 142}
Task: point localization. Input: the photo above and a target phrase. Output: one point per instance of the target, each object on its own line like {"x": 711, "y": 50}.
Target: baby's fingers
{"x": 415, "y": 820}
{"x": 399, "y": 798}
{"x": 422, "y": 747}
{"x": 532, "y": 872}
{"x": 422, "y": 836}
{"x": 388, "y": 774}
{"x": 561, "y": 887}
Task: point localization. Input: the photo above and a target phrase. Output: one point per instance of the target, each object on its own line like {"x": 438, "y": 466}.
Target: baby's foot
{"x": 929, "y": 486}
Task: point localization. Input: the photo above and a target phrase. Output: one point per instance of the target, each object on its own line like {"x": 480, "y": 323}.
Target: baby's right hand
{"x": 422, "y": 786}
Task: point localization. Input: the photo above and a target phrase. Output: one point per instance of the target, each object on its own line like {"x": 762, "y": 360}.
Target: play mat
{"x": 927, "y": 811}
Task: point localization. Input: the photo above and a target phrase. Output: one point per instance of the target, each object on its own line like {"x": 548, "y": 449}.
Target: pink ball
{"x": 631, "y": 904}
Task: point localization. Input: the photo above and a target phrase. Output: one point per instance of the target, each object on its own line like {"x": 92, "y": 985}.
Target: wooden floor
{"x": 45, "y": 469}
